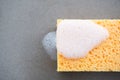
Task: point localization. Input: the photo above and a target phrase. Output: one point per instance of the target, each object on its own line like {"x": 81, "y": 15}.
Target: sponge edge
{"x": 75, "y": 38}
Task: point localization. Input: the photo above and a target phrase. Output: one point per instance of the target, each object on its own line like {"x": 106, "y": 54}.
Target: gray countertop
{"x": 23, "y": 24}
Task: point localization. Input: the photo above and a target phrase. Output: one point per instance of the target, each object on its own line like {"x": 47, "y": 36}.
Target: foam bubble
{"x": 49, "y": 44}
{"x": 75, "y": 38}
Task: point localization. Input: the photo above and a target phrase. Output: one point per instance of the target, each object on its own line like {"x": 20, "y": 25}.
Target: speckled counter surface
{"x": 23, "y": 24}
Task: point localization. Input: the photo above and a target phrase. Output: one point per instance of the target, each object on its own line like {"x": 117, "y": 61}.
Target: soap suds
{"x": 49, "y": 44}
{"x": 75, "y": 38}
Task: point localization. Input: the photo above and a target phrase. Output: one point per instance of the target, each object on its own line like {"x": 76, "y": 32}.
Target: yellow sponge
{"x": 104, "y": 57}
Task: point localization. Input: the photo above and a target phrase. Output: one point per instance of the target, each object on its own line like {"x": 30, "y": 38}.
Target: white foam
{"x": 49, "y": 44}
{"x": 75, "y": 38}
